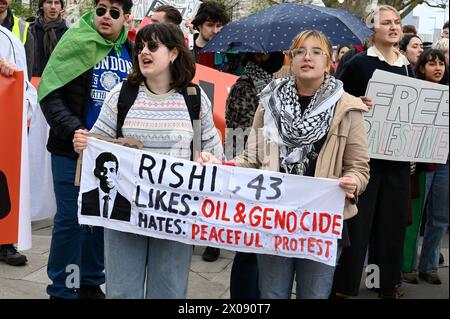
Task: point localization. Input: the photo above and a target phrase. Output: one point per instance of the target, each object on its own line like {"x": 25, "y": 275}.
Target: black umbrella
{"x": 274, "y": 28}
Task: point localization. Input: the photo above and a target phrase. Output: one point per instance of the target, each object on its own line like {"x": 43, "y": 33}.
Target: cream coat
{"x": 343, "y": 153}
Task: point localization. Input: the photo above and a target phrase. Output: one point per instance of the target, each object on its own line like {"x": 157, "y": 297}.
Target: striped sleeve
{"x": 106, "y": 123}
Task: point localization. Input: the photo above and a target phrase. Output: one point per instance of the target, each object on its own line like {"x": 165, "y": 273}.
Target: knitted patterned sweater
{"x": 161, "y": 122}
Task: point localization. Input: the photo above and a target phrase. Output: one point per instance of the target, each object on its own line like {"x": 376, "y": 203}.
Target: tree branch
{"x": 406, "y": 5}
{"x": 442, "y": 5}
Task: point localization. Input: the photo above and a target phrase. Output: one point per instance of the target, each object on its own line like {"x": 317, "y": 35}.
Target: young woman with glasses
{"x": 312, "y": 128}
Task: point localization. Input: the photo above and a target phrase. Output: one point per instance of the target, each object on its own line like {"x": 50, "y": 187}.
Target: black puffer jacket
{"x": 65, "y": 110}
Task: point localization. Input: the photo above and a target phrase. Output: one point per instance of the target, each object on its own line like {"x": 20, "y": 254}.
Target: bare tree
{"x": 357, "y": 7}
{"x": 258, "y": 5}
{"x": 411, "y": 4}
{"x": 232, "y": 7}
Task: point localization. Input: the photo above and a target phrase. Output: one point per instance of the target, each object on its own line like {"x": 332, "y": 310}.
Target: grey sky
{"x": 430, "y": 17}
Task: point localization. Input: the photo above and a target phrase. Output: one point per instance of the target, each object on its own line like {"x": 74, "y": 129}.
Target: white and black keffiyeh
{"x": 293, "y": 130}
{"x": 259, "y": 77}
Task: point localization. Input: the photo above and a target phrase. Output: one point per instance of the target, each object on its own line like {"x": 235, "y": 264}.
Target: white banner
{"x": 227, "y": 207}
{"x": 409, "y": 121}
{"x": 42, "y": 195}
{"x": 145, "y": 8}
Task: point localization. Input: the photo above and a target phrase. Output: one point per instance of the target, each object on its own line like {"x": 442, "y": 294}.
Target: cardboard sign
{"x": 228, "y": 207}
{"x": 11, "y": 121}
{"x": 409, "y": 121}
{"x": 216, "y": 85}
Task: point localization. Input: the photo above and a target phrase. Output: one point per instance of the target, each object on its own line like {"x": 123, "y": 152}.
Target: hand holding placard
{"x": 409, "y": 120}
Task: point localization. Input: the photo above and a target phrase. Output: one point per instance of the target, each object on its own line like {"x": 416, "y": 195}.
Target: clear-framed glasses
{"x": 314, "y": 53}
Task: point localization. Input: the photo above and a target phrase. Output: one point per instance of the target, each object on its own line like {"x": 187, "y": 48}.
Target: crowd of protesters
{"x": 159, "y": 67}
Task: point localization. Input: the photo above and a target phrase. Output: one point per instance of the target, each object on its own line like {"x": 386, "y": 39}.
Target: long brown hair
{"x": 182, "y": 69}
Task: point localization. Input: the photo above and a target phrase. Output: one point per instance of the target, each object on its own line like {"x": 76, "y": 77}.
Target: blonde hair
{"x": 441, "y": 45}
{"x": 373, "y": 19}
{"x": 373, "y": 15}
{"x": 324, "y": 44}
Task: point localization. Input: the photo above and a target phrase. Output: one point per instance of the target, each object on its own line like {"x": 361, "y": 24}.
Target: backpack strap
{"x": 192, "y": 97}
{"x": 127, "y": 96}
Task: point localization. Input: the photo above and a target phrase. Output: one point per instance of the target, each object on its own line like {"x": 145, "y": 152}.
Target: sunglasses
{"x": 114, "y": 13}
{"x": 152, "y": 46}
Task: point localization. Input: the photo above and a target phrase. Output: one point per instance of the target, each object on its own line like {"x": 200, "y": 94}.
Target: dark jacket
{"x": 357, "y": 72}
{"x": 65, "y": 110}
{"x": 40, "y": 56}
{"x": 90, "y": 206}
{"x": 229, "y": 62}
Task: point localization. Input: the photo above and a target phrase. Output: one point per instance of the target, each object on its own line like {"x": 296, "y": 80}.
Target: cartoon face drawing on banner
{"x": 106, "y": 201}
{"x": 109, "y": 80}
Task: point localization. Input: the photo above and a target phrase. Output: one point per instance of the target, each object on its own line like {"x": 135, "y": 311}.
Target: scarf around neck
{"x": 259, "y": 77}
{"x": 293, "y": 130}
{"x": 50, "y": 39}
{"x": 79, "y": 49}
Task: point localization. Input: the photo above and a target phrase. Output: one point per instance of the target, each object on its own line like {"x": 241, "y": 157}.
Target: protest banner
{"x": 228, "y": 207}
{"x": 216, "y": 85}
{"x": 145, "y": 8}
{"x": 11, "y": 110}
{"x": 409, "y": 121}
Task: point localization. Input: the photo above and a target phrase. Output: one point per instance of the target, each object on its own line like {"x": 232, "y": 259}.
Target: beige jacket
{"x": 343, "y": 153}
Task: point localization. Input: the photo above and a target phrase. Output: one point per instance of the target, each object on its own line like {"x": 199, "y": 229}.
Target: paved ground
{"x": 206, "y": 281}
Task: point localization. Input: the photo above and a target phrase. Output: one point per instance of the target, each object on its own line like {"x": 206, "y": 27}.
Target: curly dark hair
{"x": 126, "y": 4}
{"x": 210, "y": 11}
{"x": 170, "y": 35}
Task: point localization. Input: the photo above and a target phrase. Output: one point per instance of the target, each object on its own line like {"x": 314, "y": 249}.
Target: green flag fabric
{"x": 79, "y": 49}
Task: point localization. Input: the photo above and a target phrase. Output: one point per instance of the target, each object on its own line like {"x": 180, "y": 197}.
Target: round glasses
{"x": 314, "y": 53}
{"x": 114, "y": 13}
